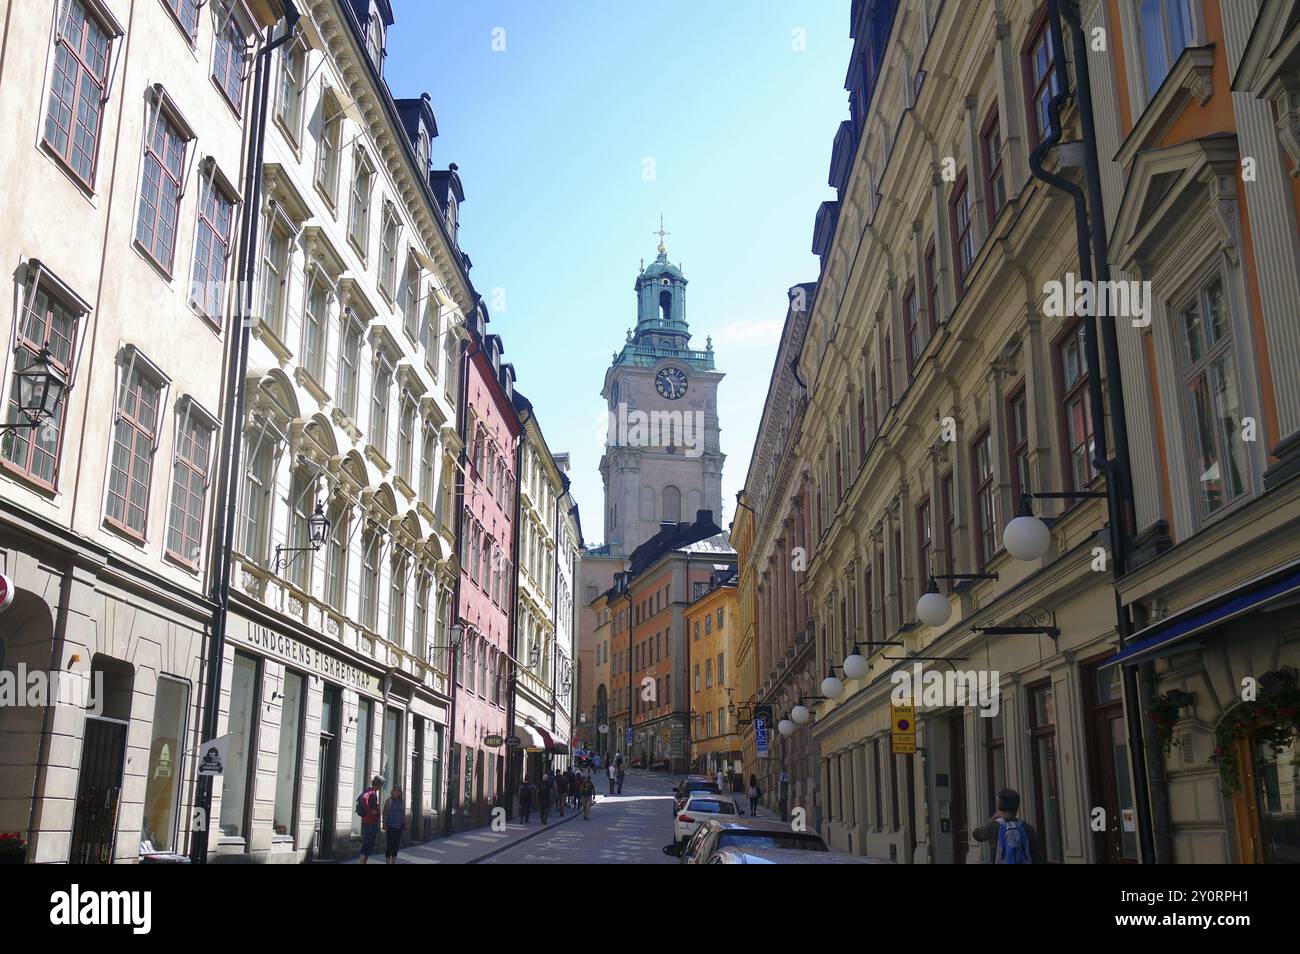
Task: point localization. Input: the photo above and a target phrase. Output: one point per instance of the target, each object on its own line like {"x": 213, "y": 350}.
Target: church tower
{"x": 662, "y": 462}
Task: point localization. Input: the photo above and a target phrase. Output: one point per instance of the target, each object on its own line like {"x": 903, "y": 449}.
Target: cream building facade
{"x": 126, "y": 142}
{"x": 336, "y": 656}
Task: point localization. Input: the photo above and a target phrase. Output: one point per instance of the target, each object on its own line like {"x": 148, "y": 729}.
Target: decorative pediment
{"x": 352, "y": 295}
{"x": 321, "y": 250}
{"x": 1170, "y": 186}
{"x": 1188, "y": 81}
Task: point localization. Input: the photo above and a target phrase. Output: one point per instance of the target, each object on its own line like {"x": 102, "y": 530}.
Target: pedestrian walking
{"x": 545, "y": 791}
{"x": 588, "y": 796}
{"x": 394, "y": 823}
{"x": 595, "y": 761}
{"x": 613, "y": 778}
{"x": 755, "y": 793}
{"x": 526, "y": 792}
{"x": 368, "y": 808}
{"x": 575, "y": 784}
{"x": 1017, "y": 843}
{"x": 719, "y": 780}
{"x": 621, "y": 776}
{"x": 561, "y": 791}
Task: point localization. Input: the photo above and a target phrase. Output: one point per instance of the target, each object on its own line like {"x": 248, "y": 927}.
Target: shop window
{"x": 361, "y": 773}
{"x": 241, "y": 750}
{"x": 164, "y": 773}
{"x": 289, "y": 759}
{"x": 1047, "y": 795}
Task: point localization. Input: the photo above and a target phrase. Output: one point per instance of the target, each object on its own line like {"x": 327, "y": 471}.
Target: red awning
{"x": 553, "y": 745}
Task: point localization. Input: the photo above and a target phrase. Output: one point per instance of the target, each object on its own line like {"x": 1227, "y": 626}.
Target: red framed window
{"x": 982, "y": 475}
{"x": 78, "y": 90}
{"x": 963, "y": 238}
{"x": 1018, "y": 445}
{"x": 34, "y": 452}
{"x": 132, "y": 456}
{"x": 912, "y": 325}
{"x": 1040, "y": 79}
{"x": 924, "y": 541}
{"x": 160, "y": 188}
{"x": 189, "y": 487}
{"x": 212, "y": 249}
{"x": 949, "y": 510}
{"x": 228, "y": 55}
{"x": 1076, "y": 411}
{"x": 931, "y": 287}
{"x": 995, "y": 189}
{"x": 187, "y": 12}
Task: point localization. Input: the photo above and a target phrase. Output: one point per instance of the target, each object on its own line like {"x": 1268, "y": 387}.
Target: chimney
{"x": 703, "y": 516}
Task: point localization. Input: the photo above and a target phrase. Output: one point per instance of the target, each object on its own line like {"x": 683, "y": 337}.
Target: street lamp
{"x": 832, "y": 686}
{"x": 933, "y": 608}
{"x": 1027, "y": 537}
{"x": 785, "y": 727}
{"x": 801, "y": 714}
{"x": 731, "y": 706}
{"x": 41, "y": 387}
{"x": 855, "y": 664}
{"x": 318, "y": 531}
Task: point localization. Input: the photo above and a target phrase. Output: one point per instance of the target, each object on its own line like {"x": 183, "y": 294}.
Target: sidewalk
{"x": 468, "y": 847}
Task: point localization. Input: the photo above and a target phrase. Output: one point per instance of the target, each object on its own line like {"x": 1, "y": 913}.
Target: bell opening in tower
{"x": 666, "y": 305}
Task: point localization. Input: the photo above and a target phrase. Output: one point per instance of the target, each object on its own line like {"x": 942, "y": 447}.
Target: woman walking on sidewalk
{"x": 755, "y": 793}
{"x": 526, "y": 799}
{"x": 588, "y": 793}
{"x": 394, "y": 823}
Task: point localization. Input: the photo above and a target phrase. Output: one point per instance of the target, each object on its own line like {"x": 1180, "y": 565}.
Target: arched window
{"x": 666, "y": 305}
{"x": 258, "y": 479}
{"x": 336, "y": 558}
{"x": 482, "y": 669}
{"x": 371, "y": 541}
{"x": 672, "y": 504}
{"x": 397, "y": 602}
{"x": 301, "y": 503}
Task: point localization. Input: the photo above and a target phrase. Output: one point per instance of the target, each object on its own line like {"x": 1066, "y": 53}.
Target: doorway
{"x": 957, "y": 770}
{"x": 99, "y": 791}
{"x": 328, "y": 789}
{"x": 417, "y": 783}
{"x": 1108, "y": 766}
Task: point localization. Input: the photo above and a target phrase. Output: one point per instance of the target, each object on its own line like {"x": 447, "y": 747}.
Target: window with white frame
{"x": 371, "y": 541}
{"x": 380, "y": 398}
{"x": 349, "y": 362}
{"x": 428, "y": 464}
{"x": 336, "y": 557}
{"x": 329, "y": 147}
{"x": 135, "y": 431}
{"x": 299, "y": 506}
{"x": 1204, "y": 329}
{"x": 275, "y": 273}
{"x": 293, "y": 87}
{"x": 406, "y": 437}
{"x": 363, "y": 174}
{"x": 1166, "y": 28}
{"x": 256, "y": 496}
{"x": 410, "y": 299}
{"x": 390, "y": 230}
{"x": 375, "y": 40}
{"x": 315, "y": 322}
{"x": 189, "y": 486}
{"x": 397, "y": 602}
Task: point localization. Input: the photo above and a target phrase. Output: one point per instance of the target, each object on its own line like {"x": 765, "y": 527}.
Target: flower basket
{"x": 13, "y": 848}
{"x": 1165, "y": 716}
{"x": 1274, "y": 722}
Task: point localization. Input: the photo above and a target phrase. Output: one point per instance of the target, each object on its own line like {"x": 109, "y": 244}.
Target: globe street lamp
{"x": 832, "y": 685}
{"x": 1027, "y": 537}
{"x": 933, "y": 608}
{"x": 785, "y": 727}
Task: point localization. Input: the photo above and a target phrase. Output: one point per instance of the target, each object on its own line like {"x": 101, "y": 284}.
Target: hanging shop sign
{"x": 493, "y": 741}
{"x": 903, "y": 733}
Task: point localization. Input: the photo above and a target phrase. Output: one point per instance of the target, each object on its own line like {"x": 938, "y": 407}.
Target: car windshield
{"x": 771, "y": 839}
{"x": 711, "y": 806}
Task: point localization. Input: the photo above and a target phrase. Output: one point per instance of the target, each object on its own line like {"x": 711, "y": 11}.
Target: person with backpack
{"x": 620, "y": 776}
{"x": 526, "y": 792}
{"x": 369, "y": 809}
{"x": 588, "y": 796}
{"x": 755, "y": 793}
{"x": 1015, "y": 841}
{"x": 394, "y": 823}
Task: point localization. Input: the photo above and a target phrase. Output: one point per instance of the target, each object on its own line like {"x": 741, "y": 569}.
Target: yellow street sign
{"x": 903, "y": 733}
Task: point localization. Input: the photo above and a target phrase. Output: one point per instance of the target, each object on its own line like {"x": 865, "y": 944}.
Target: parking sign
{"x": 760, "y": 736}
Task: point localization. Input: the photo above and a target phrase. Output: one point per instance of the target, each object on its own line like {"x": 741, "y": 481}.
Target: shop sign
{"x": 6, "y": 592}
{"x": 212, "y": 756}
{"x": 302, "y": 656}
{"x": 512, "y": 741}
{"x": 493, "y": 741}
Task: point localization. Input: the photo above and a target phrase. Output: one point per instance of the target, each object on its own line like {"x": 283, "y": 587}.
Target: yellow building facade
{"x": 711, "y": 625}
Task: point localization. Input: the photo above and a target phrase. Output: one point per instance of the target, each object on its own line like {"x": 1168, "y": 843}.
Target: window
{"x": 293, "y": 85}
{"x": 720, "y": 618}
{"x": 697, "y": 677}
{"x": 328, "y": 148}
{"x": 708, "y": 674}
{"x": 406, "y": 437}
{"x": 411, "y": 299}
{"x": 359, "y": 210}
{"x": 721, "y": 680}
{"x": 256, "y": 496}
{"x": 163, "y": 773}
{"x": 379, "y": 400}
{"x": 1040, "y": 80}
{"x": 228, "y": 52}
{"x": 428, "y": 463}
{"x": 1042, "y": 730}
{"x": 187, "y": 12}
{"x": 982, "y": 472}
{"x": 78, "y": 89}
{"x": 300, "y": 506}
{"x": 51, "y": 324}
{"x": 899, "y": 576}
{"x": 1165, "y": 27}
{"x": 370, "y": 544}
{"x": 672, "y": 505}
{"x": 963, "y": 238}
{"x": 991, "y": 145}
{"x": 275, "y": 275}
{"x": 289, "y": 760}
{"x": 995, "y": 745}
{"x": 1018, "y": 446}
{"x": 708, "y": 624}
{"x": 912, "y": 325}
{"x": 708, "y": 724}
{"x": 315, "y": 319}
{"x": 879, "y": 784}
{"x": 134, "y": 431}
{"x": 1210, "y": 383}
{"x": 189, "y": 488}
{"x": 388, "y": 252}
{"x": 212, "y": 248}
{"x": 888, "y": 371}
{"x": 697, "y": 629}
{"x": 160, "y": 187}
{"x": 931, "y": 287}
{"x": 862, "y": 430}
{"x": 924, "y": 541}
{"x": 375, "y": 41}
{"x": 1077, "y": 409}
{"x": 349, "y": 363}
{"x": 336, "y": 559}
{"x": 241, "y": 733}
{"x": 397, "y": 585}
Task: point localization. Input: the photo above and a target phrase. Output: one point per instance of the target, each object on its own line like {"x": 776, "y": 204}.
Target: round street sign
{"x": 604, "y": 727}
{"x": 903, "y": 725}
{"x": 513, "y": 741}
{"x": 6, "y": 591}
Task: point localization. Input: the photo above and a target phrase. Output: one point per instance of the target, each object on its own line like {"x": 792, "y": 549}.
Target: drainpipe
{"x": 513, "y": 638}
{"x": 1117, "y": 483}
{"x": 231, "y": 435}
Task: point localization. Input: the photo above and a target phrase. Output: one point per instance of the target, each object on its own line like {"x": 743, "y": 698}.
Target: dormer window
{"x": 375, "y": 40}
{"x": 452, "y": 214}
{"x": 422, "y": 150}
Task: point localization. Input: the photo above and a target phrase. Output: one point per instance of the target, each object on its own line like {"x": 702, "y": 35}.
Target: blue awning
{"x": 1168, "y": 634}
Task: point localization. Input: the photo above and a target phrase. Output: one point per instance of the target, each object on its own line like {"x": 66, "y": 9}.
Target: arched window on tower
{"x": 672, "y": 505}
{"x": 666, "y": 305}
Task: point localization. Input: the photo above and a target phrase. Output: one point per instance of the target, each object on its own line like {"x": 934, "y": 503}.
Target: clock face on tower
{"x": 671, "y": 383}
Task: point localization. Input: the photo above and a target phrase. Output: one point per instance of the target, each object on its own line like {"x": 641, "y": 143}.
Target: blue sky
{"x": 552, "y": 135}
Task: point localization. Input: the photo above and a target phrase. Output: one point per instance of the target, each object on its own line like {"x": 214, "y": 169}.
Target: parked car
{"x": 696, "y": 810}
{"x": 749, "y": 833}
{"x": 693, "y": 784}
{"x": 741, "y": 855}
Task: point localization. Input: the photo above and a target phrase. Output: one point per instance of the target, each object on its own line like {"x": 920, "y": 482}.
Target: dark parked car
{"x": 737, "y": 855}
{"x": 693, "y": 785}
{"x": 749, "y": 833}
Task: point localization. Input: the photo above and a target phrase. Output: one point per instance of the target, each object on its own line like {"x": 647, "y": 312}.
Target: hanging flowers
{"x": 1273, "y": 722}
{"x": 1164, "y": 714}
{"x": 13, "y": 848}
